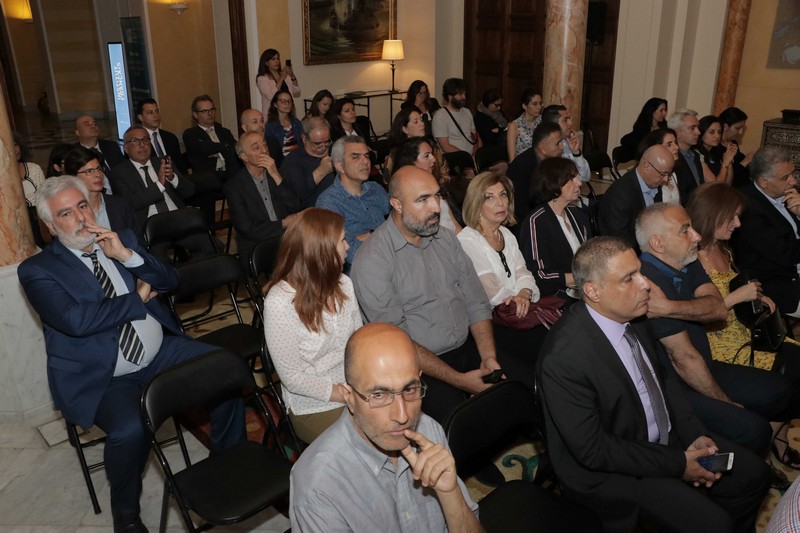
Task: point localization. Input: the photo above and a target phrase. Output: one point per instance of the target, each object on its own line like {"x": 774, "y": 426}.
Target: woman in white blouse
{"x": 492, "y": 247}
{"x": 309, "y": 313}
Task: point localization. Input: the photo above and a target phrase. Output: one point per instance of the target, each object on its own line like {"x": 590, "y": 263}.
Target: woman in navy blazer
{"x": 282, "y": 129}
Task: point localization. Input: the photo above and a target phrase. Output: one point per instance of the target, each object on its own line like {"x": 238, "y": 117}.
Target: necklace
{"x": 495, "y": 239}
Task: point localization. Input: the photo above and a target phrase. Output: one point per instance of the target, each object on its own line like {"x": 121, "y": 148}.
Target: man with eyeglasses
{"x": 637, "y": 189}
{"x": 309, "y": 169}
{"x": 88, "y": 134}
{"x": 152, "y": 186}
{"x": 384, "y": 465}
{"x": 164, "y": 142}
{"x": 688, "y": 168}
{"x": 210, "y": 147}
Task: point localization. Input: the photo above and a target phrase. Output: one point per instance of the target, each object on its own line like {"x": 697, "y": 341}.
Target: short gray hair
{"x": 53, "y": 186}
{"x": 676, "y": 119}
{"x": 591, "y": 260}
{"x": 765, "y": 159}
{"x": 240, "y": 143}
{"x": 337, "y": 151}
{"x": 312, "y": 123}
{"x": 650, "y": 222}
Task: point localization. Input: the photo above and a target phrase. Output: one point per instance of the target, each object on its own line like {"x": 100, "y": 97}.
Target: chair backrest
{"x": 263, "y": 258}
{"x": 487, "y": 156}
{"x": 619, "y": 156}
{"x": 204, "y": 380}
{"x": 488, "y": 419}
{"x": 459, "y": 161}
{"x": 598, "y": 160}
{"x": 175, "y": 225}
{"x": 207, "y": 274}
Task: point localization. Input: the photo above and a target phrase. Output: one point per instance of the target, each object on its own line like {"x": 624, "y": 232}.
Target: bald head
{"x": 408, "y": 179}
{"x": 371, "y": 347}
{"x": 655, "y": 166}
{"x": 86, "y": 130}
{"x": 252, "y": 120}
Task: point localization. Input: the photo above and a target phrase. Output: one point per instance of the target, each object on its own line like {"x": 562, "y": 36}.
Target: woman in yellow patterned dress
{"x": 714, "y": 209}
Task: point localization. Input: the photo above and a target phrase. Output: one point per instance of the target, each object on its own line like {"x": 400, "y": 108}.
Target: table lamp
{"x": 393, "y": 51}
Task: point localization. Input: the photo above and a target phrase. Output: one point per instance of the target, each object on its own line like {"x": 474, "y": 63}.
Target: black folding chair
{"x": 163, "y": 230}
{"x": 230, "y": 486}
{"x": 487, "y": 422}
{"x": 620, "y": 156}
{"x": 487, "y": 156}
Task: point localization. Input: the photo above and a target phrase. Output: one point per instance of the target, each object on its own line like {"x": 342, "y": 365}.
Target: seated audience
{"x": 688, "y": 168}
{"x": 716, "y": 160}
{"x": 408, "y": 123}
{"x": 110, "y": 211}
{"x": 419, "y": 97}
{"x": 363, "y": 204}
{"x": 320, "y": 104}
{"x": 309, "y": 169}
{"x": 453, "y": 125}
{"x": 384, "y": 465}
{"x": 107, "y": 335}
{"x": 309, "y": 313}
{"x": 651, "y": 118}
{"x": 261, "y": 203}
{"x": 418, "y": 152}
{"x": 282, "y": 129}
{"x": 622, "y": 438}
{"x": 55, "y": 162}
{"x": 271, "y": 77}
{"x": 490, "y": 122}
{"x": 640, "y": 187}
{"x": 210, "y": 147}
{"x": 670, "y": 194}
{"x": 571, "y": 139}
{"x": 732, "y": 400}
{"x": 555, "y": 230}
{"x": 715, "y": 210}
{"x": 32, "y": 178}
{"x": 343, "y": 120}
{"x": 733, "y": 122}
{"x": 88, "y": 134}
{"x": 767, "y": 246}
{"x": 546, "y": 142}
{"x": 252, "y": 120}
{"x": 414, "y": 274}
{"x": 519, "y": 137}
{"x": 164, "y": 142}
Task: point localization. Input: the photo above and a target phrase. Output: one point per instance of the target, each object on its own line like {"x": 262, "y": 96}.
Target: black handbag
{"x": 767, "y": 330}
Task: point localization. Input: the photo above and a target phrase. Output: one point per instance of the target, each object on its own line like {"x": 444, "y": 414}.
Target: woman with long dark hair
{"x": 651, "y": 117}
{"x": 520, "y": 130}
{"x": 320, "y": 104}
{"x": 309, "y": 313}
{"x": 271, "y": 78}
{"x": 717, "y": 160}
{"x": 420, "y": 97}
{"x": 282, "y": 129}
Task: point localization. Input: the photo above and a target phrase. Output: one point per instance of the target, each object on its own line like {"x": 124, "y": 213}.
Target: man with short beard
{"x": 414, "y": 274}
{"x": 453, "y": 125}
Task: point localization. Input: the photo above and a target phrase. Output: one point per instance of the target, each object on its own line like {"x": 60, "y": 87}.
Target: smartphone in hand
{"x": 720, "y": 462}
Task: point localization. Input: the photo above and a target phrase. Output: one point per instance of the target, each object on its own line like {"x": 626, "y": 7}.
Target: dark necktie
{"x": 653, "y": 392}
{"x": 106, "y": 167}
{"x": 157, "y": 145}
{"x": 161, "y": 205}
{"x": 129, "y": 342}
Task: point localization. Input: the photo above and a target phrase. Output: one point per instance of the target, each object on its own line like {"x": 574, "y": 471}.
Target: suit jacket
{"x": 127, "y": 182}
{"x": 249, "y": 214}
{"x": 199, "y": 148}
{"x": 619, "y": 207}
{"x": 520, "y": 172}
{"x": 766, "y": 248}
{"x": 596, "y": 425}
{"x": 112, "y": 154}
{"x": 122, "y": 216}
{"x": 683, "y": 173}
{"x": 81, "y": 326}
{"x": 545, "y": 248}
{"x": 173, "y": 149}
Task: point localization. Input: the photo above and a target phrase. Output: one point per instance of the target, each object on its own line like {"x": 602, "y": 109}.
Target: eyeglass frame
{"x": 90, "y": 171}
{"x": 320, "y": 144}
{"x": 659, "y": 172}
{"x": 206, "y": 111}
{"x": 423, "y": 388}
{"x": 136, "y": 141}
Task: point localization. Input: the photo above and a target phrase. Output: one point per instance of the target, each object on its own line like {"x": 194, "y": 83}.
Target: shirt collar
{"x": 612, "y": 329}
{"x": 646, "y": 189}
{"x": 776, "y": 202}
{"x": 399, "y": 241}
{"x": 373, "y": 458}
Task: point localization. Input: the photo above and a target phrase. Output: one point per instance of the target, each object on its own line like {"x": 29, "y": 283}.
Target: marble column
{"x": 564, "y": 52}
{"x": 731, "y": 59}
{"x": 24, "y": 394}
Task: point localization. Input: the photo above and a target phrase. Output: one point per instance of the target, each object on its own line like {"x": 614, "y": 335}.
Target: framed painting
{"x": 346, "y": 31}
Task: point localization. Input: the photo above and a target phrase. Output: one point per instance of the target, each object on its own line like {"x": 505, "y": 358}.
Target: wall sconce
{"x": 179, "y": 7}
{"x": 393, "y": 51}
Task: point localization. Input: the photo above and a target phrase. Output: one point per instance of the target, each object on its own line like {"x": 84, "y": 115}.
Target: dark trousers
{"x": 127, "y": 447}
{"x": 731, "y": 504}
{"x": 519, "y": 365}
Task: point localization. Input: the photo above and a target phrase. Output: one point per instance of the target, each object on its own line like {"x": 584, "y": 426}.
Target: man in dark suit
{"x": 210, "y": 147}
{"x": 88, "y": 134}
{"x": 688, "y": 168}
{"x": 545, "y": 142}
{"x": 623, "y": 440}
{"x": 260, "y": 201}
{"x": 106, "y": 336}
{"x": 767, "y": 245}
{"x": 164, "y": 142}
{"x": 309, "y": 169}
{"x": 638, "y": 188}
{"x": 152, "y": 186}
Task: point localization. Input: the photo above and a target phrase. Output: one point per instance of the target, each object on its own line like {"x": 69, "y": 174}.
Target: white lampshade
{"x": 393, "y": 50}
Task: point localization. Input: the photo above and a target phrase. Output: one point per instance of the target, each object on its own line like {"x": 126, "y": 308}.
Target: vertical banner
{"x": 136, "y": 58}
{"x": 119, "y": 82}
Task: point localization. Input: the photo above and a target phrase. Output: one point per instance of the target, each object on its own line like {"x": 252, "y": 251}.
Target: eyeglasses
{"x": 285, "y": 100}
{"x": 206, "y": 111}
{"x": 90, "y": 171}
{"x": 660, "y": 173}
{"x": 136, "y": 141}
{"x": 382, "y": 398}
{"x": 321, "y": 144}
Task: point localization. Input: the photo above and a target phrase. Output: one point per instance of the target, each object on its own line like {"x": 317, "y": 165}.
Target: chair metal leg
{"x": 74, "y": 439}
{"x": 162, "y": 527}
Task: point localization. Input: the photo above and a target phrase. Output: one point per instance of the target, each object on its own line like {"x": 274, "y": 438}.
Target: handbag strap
{"x": 469, "y": 140}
